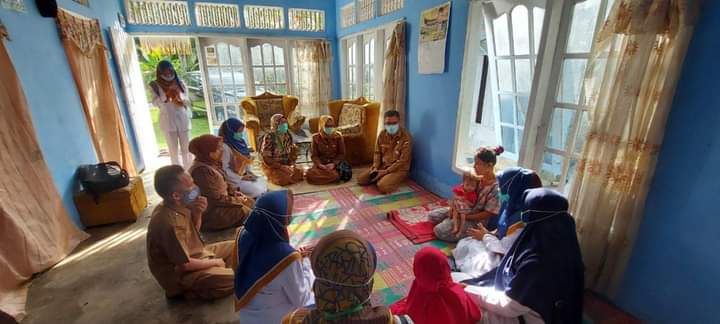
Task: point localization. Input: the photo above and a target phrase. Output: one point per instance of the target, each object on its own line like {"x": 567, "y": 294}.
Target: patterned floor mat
{"x": 363, "y": 209}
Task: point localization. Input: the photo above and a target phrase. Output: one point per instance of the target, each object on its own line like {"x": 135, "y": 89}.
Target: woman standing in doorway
{"x": 170, "y": 96}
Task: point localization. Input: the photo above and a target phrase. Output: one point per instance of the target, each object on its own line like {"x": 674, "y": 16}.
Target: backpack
{"x": 101, "y": 178}
{"x": 344, "y": 170}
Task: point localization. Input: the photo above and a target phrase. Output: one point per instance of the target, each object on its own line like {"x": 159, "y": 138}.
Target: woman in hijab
{"x": 344, "y": 264}
{"x": 540, "y": 279}
{"x": 279, "y": 154}
{"x": 434, "y": 297}
{"x": 272, "y": 277}
{"x": 169, "y": 94}
{"x": 327, "y": 152}
{"x": 226, "y": 206}
{"x": 483, "y": 250}
{"x": 236, "y": 159}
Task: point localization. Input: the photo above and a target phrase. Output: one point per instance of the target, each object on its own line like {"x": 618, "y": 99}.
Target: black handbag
{"x": 100, "y": 178}
{"x": 344, "y": 170}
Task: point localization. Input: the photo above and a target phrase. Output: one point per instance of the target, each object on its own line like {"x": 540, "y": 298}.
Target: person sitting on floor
{"x": 272, "y": 277}
{"x": 434, "y": 297}
{"x": 344, "y": 264}
{"x": 541, "y": 278}
{"x": 237, "y": 161}
{"x": 279, "y": 154}
{"x": 483, "y": 250}
{"x": 227, "y": 207}
{"x": 177, "y": 257}
{"x": 454, "y": 221}
{"x": 392, "y": 158}
{"x": 327, "y": 152}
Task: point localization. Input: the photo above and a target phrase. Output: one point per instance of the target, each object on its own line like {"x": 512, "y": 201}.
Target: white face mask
{"x": 167, "y": 78}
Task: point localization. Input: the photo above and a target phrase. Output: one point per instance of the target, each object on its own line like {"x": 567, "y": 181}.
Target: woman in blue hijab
{"x": 542, "y": 275}
{"x": 272, "y": 278}
{"x": 237, "y": 161}
{"x": 483, "y": 250}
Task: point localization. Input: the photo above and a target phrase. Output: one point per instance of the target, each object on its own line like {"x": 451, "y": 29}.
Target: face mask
{"x": 238, "y": 136}
{"x": 282, "y": 128}
{"x": 392, "y": 129}
{"x": 329, "y": 130}
{"x": 504, "y": 198}
{"x": 191, "y": 196}
{"x": 168, "y": 78}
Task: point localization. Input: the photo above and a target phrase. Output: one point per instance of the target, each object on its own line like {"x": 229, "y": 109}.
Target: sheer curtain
{"x": 35, "y": 229}
{"x": 82, "y": 39}
{"x": 629, "y": 82}
{"x": 314, "y": 85}
{"x": 395, "y": 73}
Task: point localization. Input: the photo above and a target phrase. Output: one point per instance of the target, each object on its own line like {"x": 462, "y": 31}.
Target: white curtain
{"x": 314, "y": 84}
{"x": 629, "y": 82}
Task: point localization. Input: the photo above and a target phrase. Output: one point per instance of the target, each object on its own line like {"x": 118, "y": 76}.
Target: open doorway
{"x": 182, "y": 53}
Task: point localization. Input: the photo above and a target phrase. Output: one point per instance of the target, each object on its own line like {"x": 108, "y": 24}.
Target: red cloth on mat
{"x": 417, "y": 233}
{"x": 434, "y": 298}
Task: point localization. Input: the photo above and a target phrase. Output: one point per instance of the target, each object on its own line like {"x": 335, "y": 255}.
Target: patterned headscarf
{"x": 344, "y": 264}
{"x": 275, "y": 121}
{"x": 172, "y": 88}
{"x": 321, "y": 126}
{"x": 283, "y": 142}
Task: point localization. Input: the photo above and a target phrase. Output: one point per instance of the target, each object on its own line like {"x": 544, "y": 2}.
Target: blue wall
{"x": 672, "y": 275}
{"x": 432, "y": 101}
{"x": 327, "y": 5}
{"x": 40, "y": 61}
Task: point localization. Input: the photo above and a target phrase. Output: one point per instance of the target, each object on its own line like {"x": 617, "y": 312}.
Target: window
{"x": 351, "y": 86}
{"x": 306, "y": 20}
{"x": 542, "y": 120}
{"x": 347, "y": 15}
{"x": 268, "y": 66}
{"x": 569, "y": 121}
{"x": 217, "y": 15}
{"x": 264, "y": 17}
{"x": 166, "y": 13}
{"x": 388, "y": 6}
{"x": 225, "y": 74}
{"x": 369, "y": 67}
{"x": 514, "y": 57}
{"x": 365, "y": 10}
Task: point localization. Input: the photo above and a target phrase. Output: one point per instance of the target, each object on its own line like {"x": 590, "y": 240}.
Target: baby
{"x": 466, "y": 193}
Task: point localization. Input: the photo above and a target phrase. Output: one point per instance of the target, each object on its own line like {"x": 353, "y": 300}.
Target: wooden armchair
{"x": 359, "y": 141}
{"x": 259, "y": 109}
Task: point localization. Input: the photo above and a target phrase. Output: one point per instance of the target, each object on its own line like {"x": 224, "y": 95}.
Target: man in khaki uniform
{"x": 177, "y": 257}
{"x": 393, "y": 153}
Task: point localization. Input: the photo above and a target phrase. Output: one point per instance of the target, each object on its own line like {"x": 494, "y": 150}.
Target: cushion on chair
{"x": 351, "y": 119}
{"x": 266, "y": 108}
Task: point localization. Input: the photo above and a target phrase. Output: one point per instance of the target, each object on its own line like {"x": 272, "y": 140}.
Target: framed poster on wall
{"x": 434, "y": 24}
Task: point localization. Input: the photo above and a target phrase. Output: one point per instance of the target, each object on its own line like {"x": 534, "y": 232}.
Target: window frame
{"x": 380, "y": 35}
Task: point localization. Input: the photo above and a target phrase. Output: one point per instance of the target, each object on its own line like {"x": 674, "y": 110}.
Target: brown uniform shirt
{"x": 326, "y": 149}
{"x": 214, "y": 187}
{"x": 393, "y": 152}
{"x": 172, "y": 240}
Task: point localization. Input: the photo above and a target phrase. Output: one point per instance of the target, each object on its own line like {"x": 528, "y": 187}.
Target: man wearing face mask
{"x": 392, "y": 158}
{"x": 169, "y": 94}
{"x": 177, "y": 257}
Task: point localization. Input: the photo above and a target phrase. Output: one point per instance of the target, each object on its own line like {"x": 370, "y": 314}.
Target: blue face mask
{"x": 191, "y": 196}
{"x": 392, "y": 129}
{"x": 238, "y": 136}
{"x": 329, "y": 130}
{"x": 282, "y": 128}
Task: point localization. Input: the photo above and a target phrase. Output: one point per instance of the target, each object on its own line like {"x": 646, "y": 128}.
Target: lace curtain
{"x": 630, "y": 81}
{"x": 395, "y": 73}
{"x": 314, "y": 85}
{"x": 82, "y": 39}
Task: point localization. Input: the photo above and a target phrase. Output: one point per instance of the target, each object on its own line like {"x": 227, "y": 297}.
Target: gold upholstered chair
{"x": 358, "y": 121}
{"x": 259, "y": 109}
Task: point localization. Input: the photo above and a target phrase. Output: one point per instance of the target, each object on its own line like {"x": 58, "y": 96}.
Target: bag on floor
{"x": 344, "y": 170}
{"x": 100, "y": 178}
